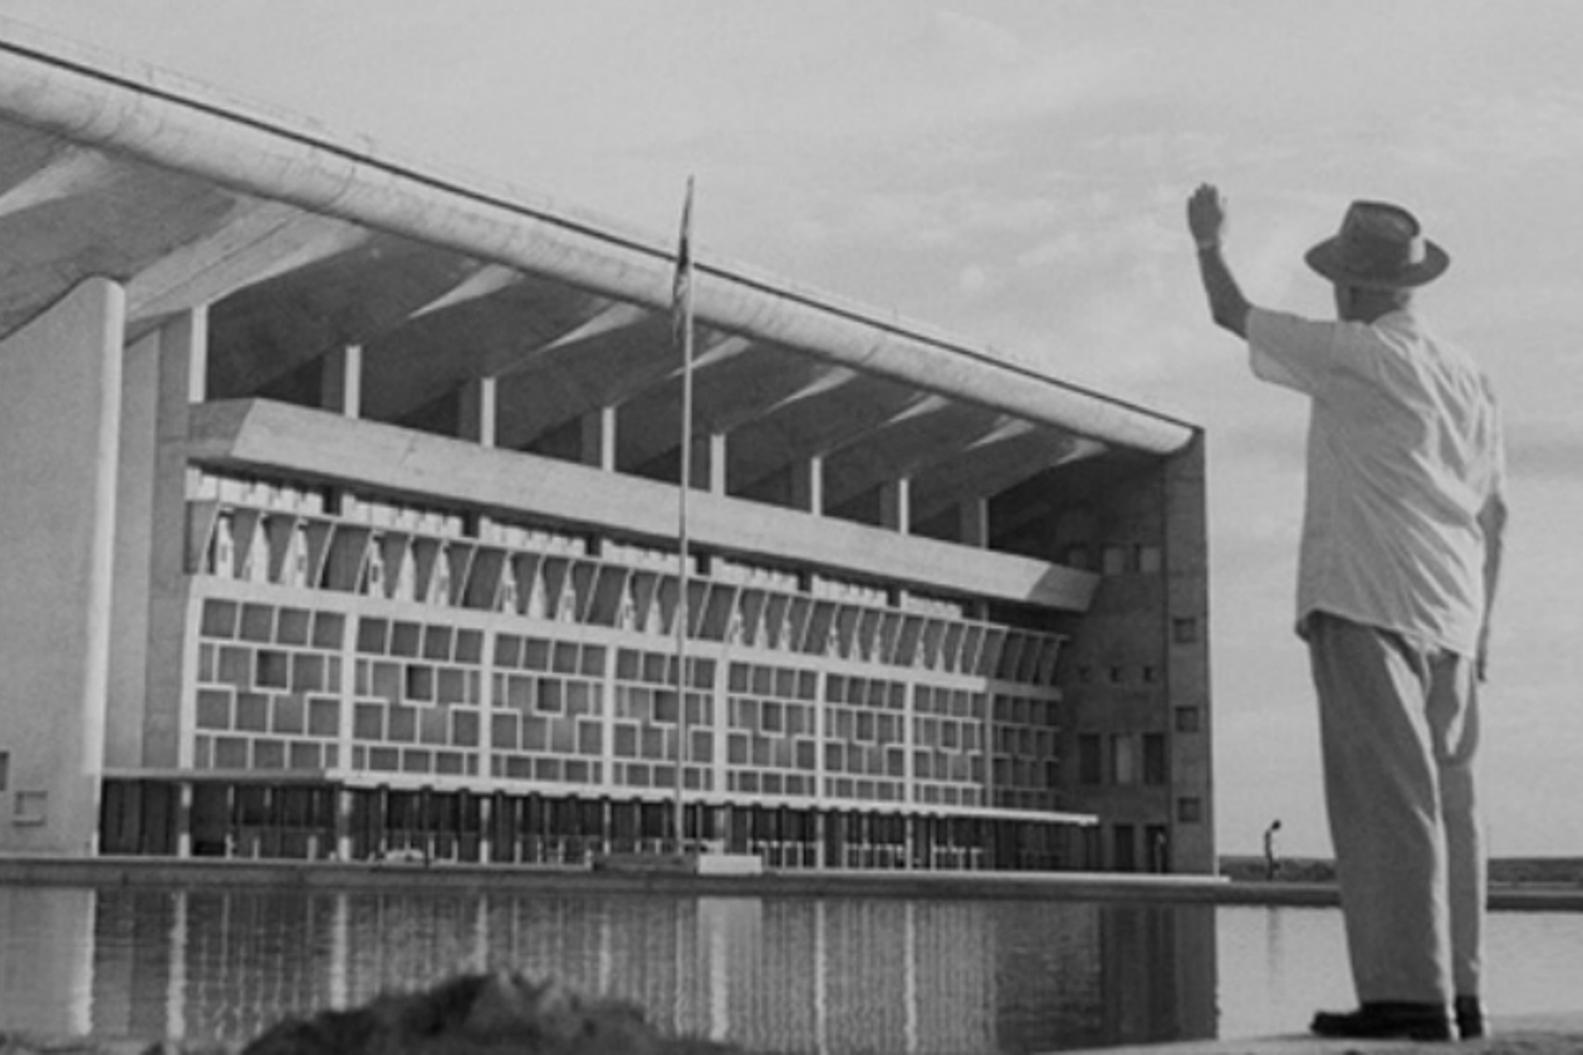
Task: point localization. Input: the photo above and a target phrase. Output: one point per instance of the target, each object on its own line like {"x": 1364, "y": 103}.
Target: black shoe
{"x": 1383, "y": 1021}
{"x": 1470, "y": 1018}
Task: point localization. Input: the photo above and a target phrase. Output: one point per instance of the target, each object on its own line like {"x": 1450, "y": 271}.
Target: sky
{"x": 1014, "y": 172}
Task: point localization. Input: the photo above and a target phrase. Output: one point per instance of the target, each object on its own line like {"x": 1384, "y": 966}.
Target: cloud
{"x": 979, "y": 39}
{"x": 945, "y": 216}
{"x": 973, "y": 279}
{"x": 1515, "y": 129}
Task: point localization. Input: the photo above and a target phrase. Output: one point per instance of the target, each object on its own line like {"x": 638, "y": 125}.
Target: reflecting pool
{"x": 792, "y": 975}
{"x": 834, "y": 976}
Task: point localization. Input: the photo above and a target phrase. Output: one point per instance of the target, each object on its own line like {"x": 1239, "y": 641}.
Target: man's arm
{"x": 1492, "y": 520}
{"x": 1206, "y": 219}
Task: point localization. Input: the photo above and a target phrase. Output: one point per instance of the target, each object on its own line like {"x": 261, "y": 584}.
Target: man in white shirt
{"x": 1400, "y": 554}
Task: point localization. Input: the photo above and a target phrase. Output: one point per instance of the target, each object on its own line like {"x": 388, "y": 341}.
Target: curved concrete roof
{"x": 301, "y": 242}
{"x": 141, "y": 113}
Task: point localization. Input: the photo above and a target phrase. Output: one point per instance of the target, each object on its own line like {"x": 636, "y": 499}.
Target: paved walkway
{"x": 1529, "y": 1035}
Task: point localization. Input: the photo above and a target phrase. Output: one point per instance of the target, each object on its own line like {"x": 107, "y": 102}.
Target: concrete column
{"x": 717, "y": 463}
{"x": 183, "y": 364}
{"x": 191, "y": 336}
{"x": 908, "y": 744}
{"x": 895, "y": 505}
{"x": 134, "y": 542}
{"x": 485, "y": 838}
{"x": 341, "y": 387}
{"x": 973, "y": 522}
{"x": 343, "y": 823}
{"x": 479, "y": 410}
{"x": 607, "y": 721}
{"x": 162, "y": 375}
{"x": 184, "y": 819}
{"x": 60, "y": 412}
{"x": 807, "y": 485}
{"x": 720, "y": 695}
{"x": 599, "y": 439}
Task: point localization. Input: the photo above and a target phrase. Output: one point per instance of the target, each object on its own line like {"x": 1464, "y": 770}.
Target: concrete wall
{"x": 1187, "y": 650}
{"x": 60, "y": 391}
{"x": 1138, "y": 657}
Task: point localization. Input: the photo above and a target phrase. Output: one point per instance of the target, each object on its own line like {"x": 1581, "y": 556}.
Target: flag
{"x": 682, "y": 288}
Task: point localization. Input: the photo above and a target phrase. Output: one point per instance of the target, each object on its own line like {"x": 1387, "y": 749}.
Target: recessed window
{"x": 1156, "y": 760}
{"x": 1125, "y": 843}
{"x": 1149, "y": 560}
{"x": 32, "y": 807}
{"x": 1184, "y": 631}
{"x": 5, "y": 770}
{"x": 1090, "y": 765}
{"x": 1187, "y": 720}
{"x": 1123, "y": 759}
{"x": 1190, "y": 810}
{"x": 1113, "y": 560}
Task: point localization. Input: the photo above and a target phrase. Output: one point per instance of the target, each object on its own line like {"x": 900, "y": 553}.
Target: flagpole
{"x": 682, "y": 321}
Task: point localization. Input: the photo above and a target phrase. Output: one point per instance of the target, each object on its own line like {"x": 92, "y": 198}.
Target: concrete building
{"x": 340, "y": 509}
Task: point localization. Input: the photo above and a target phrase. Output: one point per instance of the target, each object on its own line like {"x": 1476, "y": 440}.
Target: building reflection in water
{"x": 793, "y": 975}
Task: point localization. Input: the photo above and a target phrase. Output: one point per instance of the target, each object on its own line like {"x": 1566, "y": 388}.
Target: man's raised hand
{"x": 1206, "y": 215}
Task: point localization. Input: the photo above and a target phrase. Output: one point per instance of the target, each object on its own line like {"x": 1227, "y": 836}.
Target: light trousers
{"x": 1399, "y": 728}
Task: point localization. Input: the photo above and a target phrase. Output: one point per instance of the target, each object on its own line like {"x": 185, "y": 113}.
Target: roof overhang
{"x": 298, "y": 244}
{"x": 132, "y": 112}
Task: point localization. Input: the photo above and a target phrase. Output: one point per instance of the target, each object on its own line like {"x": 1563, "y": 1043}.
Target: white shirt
{"x": 1404, "y": 451}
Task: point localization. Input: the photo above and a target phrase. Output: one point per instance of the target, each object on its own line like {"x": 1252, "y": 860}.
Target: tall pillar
{"x": 134, "y": 544}
{"x": 172, "y": 619}
{"x": 479, "y": 407}
{"x": 343, "y": 824}
{"x": 184, "y": 792}
{"x": 717, "y": 463}
{"x": 486, "y": 838}
{"x": 807, "y": 485}
{"x": 341, "y": 387}
{"x": 973, "y": 522}
{"x": 60, "y": 410}
{"x": 599, "y": 439}
{"x": 895, "y": 505}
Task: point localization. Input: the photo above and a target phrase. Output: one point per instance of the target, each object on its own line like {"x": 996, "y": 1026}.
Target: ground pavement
{"x": 1528, "y": 1035}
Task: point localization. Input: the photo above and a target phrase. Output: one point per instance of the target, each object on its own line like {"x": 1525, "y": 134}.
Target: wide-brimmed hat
{"x": 1380, "y": 246}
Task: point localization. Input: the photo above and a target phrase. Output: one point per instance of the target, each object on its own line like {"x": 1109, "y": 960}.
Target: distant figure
{"x": 1400, "y": 555}
{"x": 1271, "y": 866}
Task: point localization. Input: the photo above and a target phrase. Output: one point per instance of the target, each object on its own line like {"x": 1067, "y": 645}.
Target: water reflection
{"x": 795, "y": 975}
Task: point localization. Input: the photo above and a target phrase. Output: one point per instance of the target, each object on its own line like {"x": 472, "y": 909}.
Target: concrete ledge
{"x": 703, "y": 864}
{"x": 723, "y": 864}
{"x": 371, "y": 875}
{"x": 301, "y": 441}
{"x": 646, "y": 864}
